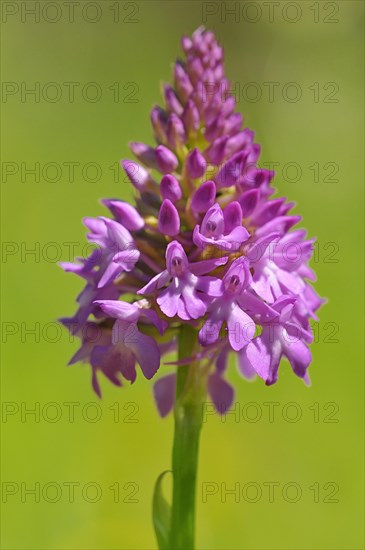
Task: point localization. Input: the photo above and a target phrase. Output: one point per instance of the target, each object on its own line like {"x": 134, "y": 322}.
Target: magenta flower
{"x": 222, "y": 229}
{"x": 127, "y": 344}
{"x": 216, "y": 258}
{"x": 279, "y": 337}
{"x": 229, "y": 308}
{"x": 188, "y": 293}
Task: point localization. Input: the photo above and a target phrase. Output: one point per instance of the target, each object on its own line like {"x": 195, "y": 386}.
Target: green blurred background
{"x": 318, "y": 47}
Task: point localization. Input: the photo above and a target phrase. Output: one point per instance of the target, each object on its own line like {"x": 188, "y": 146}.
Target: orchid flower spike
{"x": 204, "y": 245}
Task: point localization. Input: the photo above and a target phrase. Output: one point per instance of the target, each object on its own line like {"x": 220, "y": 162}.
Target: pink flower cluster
{"x": 206, "y": 244}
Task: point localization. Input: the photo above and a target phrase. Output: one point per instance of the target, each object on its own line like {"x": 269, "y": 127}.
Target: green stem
{"x": 188, "y": 422}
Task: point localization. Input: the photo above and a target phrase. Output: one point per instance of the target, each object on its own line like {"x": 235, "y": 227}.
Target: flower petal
{"x": 241, "y": 328}
{"x": 244, "y": 366}
{"x": 136, "y": 174}
{"x": 166, "y": 160}
{"x": 170, "y": 188}
{"x": 147, "y": 353}
{"x": 221, "y": 392}
{"x": 209, "y": 333}
{"x": 195, "y": 164}
{"x": 205, "y": 266}
{"x": 168, "y": 300}
{"x": 125, "y": 214}
{"x": 204, "y": 197}
{"x": 210, "y": 285}
{"x": 158, "y": 281}
{"x": 299, "y": 356}
{"x": 119, "y": 309}
{"x": 127, "y": 259}
{"x": 182, "y": 311}
{"x": 112, "y": 271}
{"x": 195, "y": 305}
{"x": 255, "y": 357}
{"x": 164, "y": 393}
{"x": 168, "y": 219}
{"x": 232, "y": 216}
{"x": 236, "y": 237}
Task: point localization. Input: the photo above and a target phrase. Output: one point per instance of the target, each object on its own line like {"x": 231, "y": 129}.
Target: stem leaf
{"x": 161, "y": 513}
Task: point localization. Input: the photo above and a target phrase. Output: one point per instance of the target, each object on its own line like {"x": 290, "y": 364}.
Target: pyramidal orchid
{"x": 206, "y": 264}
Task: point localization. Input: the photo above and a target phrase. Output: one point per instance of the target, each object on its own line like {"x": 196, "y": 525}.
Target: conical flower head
{"x": 205, "y": 244}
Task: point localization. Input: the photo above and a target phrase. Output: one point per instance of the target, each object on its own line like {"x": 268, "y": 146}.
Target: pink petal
{"x": 147, "y": 354}
{"x": 241, "y": 328}
{"x": 221, "y": 392}
{"x": 164, "y": 393}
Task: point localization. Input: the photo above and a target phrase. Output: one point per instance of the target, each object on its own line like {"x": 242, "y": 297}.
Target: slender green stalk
{"x": 188, "y": 421}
